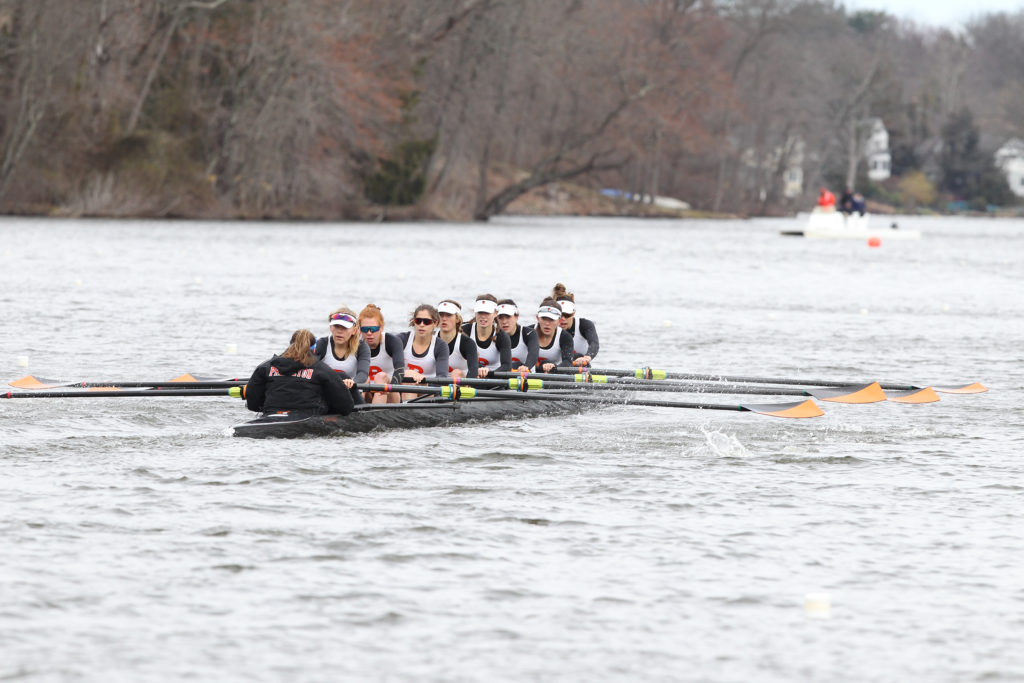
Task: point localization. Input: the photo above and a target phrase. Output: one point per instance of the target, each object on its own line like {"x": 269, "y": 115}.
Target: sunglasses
{"x": 423, "y": 321}
{"x": 566, "y": 316}
{"x": 370, "y": 328}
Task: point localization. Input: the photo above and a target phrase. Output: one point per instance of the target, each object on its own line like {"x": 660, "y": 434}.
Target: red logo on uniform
{"x": 482, "y": 361}
{"x": 413, "y": 366}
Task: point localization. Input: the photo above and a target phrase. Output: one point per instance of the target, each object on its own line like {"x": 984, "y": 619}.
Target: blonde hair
{"x": 353, "y": 341}
{"x": 301, "y": 348}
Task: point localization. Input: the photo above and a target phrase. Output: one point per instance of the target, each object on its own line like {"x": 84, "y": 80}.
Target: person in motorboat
{"x": 554, "y": 343}
{"x": 846, "y": 201}
{"x": 426, "y": 355}
{"x": 523, "y": 340}
{"x": 344, "y": 351}
{"x": 584, "y": 334}
{"x": 297, "y": 383}
{"x": 461, "y": 349}
{"x": 387, "y": 357}
{"x": 826, "y": 200}
{"x": 493, "y": 347}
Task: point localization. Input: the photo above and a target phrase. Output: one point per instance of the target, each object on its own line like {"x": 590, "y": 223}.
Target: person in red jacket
{"x": 827, "y": 200}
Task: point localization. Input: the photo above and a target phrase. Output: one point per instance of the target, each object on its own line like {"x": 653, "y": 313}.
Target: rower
{"x": 387, "y": 357}
{"x": 461, "y": 349}
{"x": 297, "y": 383}
{"x": 344, "y": 351}
{"x": 584, "y": 334}
{"x": 493, "y": 347}
{"x": 522, "y": 339}
{"x": 425, "y": 354}
{"x": 554, "y": 343}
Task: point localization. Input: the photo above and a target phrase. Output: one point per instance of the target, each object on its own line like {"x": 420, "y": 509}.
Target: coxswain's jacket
{"x": 285, "y": 385}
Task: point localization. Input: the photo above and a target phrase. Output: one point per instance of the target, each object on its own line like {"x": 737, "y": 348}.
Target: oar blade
{"x": 30, "y": 382}
{"x": 867, "y": 393}
{"x": 974, "y": 388}
{"x": 926, "y": 395}
{"x": 799, "y": 409}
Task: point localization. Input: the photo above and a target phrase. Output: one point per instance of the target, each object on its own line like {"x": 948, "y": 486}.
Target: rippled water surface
{"x": 140, "y": 542}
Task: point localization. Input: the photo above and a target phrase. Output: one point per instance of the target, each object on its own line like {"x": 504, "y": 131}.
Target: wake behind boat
{"x": 826, "y": 224}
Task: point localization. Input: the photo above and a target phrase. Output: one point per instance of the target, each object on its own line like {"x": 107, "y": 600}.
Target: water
{"x": 141, "y": 543}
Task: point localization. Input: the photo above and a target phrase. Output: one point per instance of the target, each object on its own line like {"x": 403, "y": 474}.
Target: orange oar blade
{"x": 187, "y": 377}
{"x": 976, "y": 388}
{"x": 806, "y": 408}
{"x": 926, "y": 395}
{"x": 867, "y": 393}
{"x": 30, "y": 382}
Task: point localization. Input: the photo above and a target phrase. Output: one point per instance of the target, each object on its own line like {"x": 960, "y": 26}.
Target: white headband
{"x": 448, "y": 307}
{"x": 568, "y": 306}
{"x": 549, "y": 312}
{"x": 485, "y": 306}
{"x": 507, "y": 309}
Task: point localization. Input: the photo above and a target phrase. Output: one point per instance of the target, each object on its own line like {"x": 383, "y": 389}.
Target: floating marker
{"x": 78, "y": 283}
{"x": 945, "y": 308}
{"x": 198, "y": 280}
{"x": 863, "y": 311}
{"x": 874, "y": 241}
{"x": 231, "y": 348}
{"x": 666, "y": 323}
{"x": 22, "y": 361}
{"x": 818, "y": 605}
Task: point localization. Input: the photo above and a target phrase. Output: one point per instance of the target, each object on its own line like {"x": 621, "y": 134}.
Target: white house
{"x": 1010, "y": 158}
{"x": 876, "y": 150}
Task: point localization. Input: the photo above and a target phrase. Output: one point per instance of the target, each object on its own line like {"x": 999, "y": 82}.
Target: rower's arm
{"x": 589, "y": 332}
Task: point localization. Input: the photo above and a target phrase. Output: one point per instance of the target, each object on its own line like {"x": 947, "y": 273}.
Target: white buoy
{"x": 231, "y": 348}
{"x": 198, "y": 280}
{"x": 78, "y": 283}
{"x": 666, "y": 323}
{"x": 818, "y": 605}
{"x": 22, "y": 361}
{"x": 945, "y": 308}
{"x": 863, "y": 311}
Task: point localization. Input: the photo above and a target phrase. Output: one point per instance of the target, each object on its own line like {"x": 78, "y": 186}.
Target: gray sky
{"x": 948, "y": 13}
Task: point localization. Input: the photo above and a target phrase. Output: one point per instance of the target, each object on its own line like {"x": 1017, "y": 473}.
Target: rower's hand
{"x": 415, "y": 376}
{"x": 582, "y": 360}
{"x": 483, "y": 372}
{"x": 547, "y": 367}
{"x": 349, "y": 383}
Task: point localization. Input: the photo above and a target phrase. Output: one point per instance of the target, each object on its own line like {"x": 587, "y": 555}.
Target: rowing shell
{"x": 424, "y": 413}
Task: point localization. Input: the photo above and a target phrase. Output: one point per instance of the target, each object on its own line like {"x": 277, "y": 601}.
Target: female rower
{"x": 344, "y": 351}
{"x": 425, "y": 354}
{"x": 584, "y": 334}
{"x": 297, "y": 383}
{"x": 555, "y": 344}
{"x": 493, "y": 347}
{"x": 387, "y": 359}
{"x": 461, "y": 349}
{"x": 522, "y": 339}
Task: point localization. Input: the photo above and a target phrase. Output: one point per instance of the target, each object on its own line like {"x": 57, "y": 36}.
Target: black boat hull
{"x": 426, "y": 413}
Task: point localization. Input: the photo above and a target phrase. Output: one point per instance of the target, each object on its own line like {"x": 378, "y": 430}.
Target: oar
{"x": 114, "y": 392}
{"x": 649, "y": 373}
{"x": 31, "y": 383}
{"x": 455, "y": 392}
{"x": 866, "y": 393}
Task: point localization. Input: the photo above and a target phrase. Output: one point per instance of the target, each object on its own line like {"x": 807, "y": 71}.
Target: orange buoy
{"x": 874, "y": 241}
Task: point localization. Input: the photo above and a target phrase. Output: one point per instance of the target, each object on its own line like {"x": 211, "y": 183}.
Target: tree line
{"x": 455, "y": 108}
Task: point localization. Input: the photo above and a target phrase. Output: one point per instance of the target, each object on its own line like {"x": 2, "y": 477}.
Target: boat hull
{"x": 834, "y": 225}
{"x": 428, "y": 413}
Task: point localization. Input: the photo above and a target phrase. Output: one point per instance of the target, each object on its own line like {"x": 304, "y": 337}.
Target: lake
{"x": 879, "y": 542}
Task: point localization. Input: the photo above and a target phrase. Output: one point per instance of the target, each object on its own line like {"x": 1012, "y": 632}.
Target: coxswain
{"x": 461, "y": 349}
{"x": 297, "y": 383}
{"x": 426, "y": 355}
{"x": 387, "y": 357}
{"x": 522, "y": 339}
{"x": 344, "y": 351}
{"x": 584, "y": 335}
{"x": 493, "y": 347}
{"x": 554, "y": 343}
